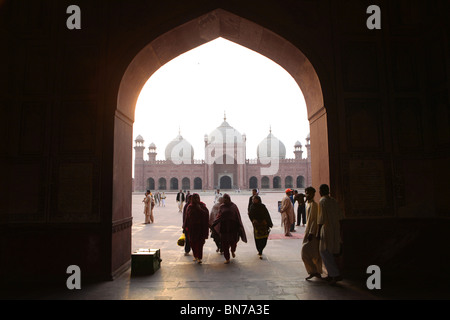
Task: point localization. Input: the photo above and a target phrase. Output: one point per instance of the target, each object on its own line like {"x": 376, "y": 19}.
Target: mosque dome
{"x": 152, "y": 146}
{"x": 271, "y": 144}
{"x": 225, "y": 133}
{"x": 139, "y": 138}
{"x": 179, "y": 150}
{"x": 298, "y": 144}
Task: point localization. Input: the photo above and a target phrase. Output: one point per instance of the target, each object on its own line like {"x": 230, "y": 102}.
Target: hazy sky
{"x": 192, "y": 92}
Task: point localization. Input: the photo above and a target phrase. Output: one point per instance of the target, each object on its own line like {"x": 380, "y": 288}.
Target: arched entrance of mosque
{"x": 265, "y": 183}
{"x": 150, "y": 184}
{"x": 253, "y": 183}
{"x": 276, "y": 182}
{"x": 156, "y": 52}
{"x": 185, "y": 184}
{"x": 162, "y": 185}
{"x": 197, "y": 183}
{"x": 225, "y": 183}
{"x": 174, "y": 184}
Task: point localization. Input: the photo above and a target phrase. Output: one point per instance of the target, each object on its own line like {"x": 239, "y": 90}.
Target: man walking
{"x": 329, "y": 233}
{"x": 310, "y": 248}
{"x": 180, "y": 200}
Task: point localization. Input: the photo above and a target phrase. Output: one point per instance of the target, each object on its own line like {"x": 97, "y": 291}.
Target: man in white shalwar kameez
{"x": 329, "y": 233}
{"x": 310, "y": 248}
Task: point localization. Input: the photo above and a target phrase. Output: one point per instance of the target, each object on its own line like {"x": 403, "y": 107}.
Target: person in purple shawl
{"x": 229, "y": 225}
{"x": 196, "y": 226}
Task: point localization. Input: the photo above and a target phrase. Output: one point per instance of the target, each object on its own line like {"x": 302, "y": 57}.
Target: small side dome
{"x": 179, "y": 150}
{"x": 271, "y": 148}
{"x": 139, "y": 138}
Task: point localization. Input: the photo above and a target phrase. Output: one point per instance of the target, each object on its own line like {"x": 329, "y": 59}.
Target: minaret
{"x": 308, "y": 148}
{"x": 298, "y": 151}
{"x": 139, "y": 148}
{"x": 139, "y": 164}
{"x": 152, "y": 152}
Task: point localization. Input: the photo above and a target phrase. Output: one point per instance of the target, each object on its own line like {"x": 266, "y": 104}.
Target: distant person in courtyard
{"x": 180, "y": 200}
{"x": 250, "y": 200}
{"x": 301, "y": 209}
{"x": 147, "y": 206}
{"x": 187, "y": 245}
{"x": 212, "y": 217}
{"x": 262, "y": 223}
{"x": 217, "y": 195}
{"x": 329, "y": 233}
{"x": 229, "y": 225}
{"x": 163, "y": 199}
{"x": 291, "y": 196}
{"x": 158, "y": 198}
{"x": 152, "y": 206}
{"x": 196, "y": 226}
{"x": 310, "y": 248}
{"x": 287, "y": 213}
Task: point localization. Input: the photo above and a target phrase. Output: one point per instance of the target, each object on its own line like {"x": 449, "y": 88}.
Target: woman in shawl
{"x": 196, "y": 226}
{"x": 228, "y": 225}
{"x": 212, "y": 218}
{"x": 260, "y": 218}
{"x": 187, "y": 245}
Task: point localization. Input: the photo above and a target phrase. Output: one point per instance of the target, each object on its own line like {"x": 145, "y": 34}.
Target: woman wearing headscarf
{"x": 212, "y": 218}
{"x": 260, "y": 218}
{"x": 187, "y": 245}
{"x": 196, "y": 226}
{"x": 228, "y": 225}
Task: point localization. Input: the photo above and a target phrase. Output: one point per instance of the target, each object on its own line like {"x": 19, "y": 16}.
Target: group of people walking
{"x": 150, "y": 201}
{"x": 321, "y": 242}
{"x": 224, "y": 221}
{"x": 322, "y": 239}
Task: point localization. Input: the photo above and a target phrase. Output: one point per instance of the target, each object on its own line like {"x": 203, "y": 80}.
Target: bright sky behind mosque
{"x": 191, "y": 93}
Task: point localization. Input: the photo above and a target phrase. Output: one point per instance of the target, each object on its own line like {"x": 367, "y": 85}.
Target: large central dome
{"x": 224, "y": 134}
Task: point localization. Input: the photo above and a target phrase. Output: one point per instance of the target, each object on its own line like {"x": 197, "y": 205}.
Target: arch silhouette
{"x": 147, "y": 59}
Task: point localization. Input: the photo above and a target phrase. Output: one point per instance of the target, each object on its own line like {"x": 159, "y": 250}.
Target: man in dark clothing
{"x": 250, "y": 201}
{"x": 180, "y": 200}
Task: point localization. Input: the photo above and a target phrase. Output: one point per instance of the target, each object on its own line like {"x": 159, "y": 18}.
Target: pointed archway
{"x": 217, "y": 23}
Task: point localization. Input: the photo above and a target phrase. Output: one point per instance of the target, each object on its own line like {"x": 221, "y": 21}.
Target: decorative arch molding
{"x": 221, "y": 23}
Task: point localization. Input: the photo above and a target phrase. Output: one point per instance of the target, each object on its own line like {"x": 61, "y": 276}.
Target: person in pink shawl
{"x": 196, "y": 226}
{"x": 228, "y": 225}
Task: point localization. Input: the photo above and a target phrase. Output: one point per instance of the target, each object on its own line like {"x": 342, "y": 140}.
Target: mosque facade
{"x": 225, "y": 165}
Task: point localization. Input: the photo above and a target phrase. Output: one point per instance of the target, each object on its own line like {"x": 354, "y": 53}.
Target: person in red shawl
{"x": 196, "y": 226}
{"x": 229, "y": 225}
